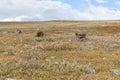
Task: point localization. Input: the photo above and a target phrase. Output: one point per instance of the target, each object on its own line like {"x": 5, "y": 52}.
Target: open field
{"x": 58, "y": 55}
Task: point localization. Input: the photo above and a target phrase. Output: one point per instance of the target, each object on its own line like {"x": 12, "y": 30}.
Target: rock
{"x": 57, "y": 63}
{"x": 60, "y": 62}
{"x": 88, "y": 70}
{"x": 118, "y": 62}
{"x": 47, "y": 60}
{"x": 5, "y": 53}
{"x": 1, "y": 61}
{"x": 75, "y": 62}
{"x": 52, "y": 57}
{"x": 116, "y": 72}
{"x": 86, "y": 49}
{"x": 70, "y": 40}
{"x": 9, "y": 79}
{"x": 5, "y": 32}
{"x": 104, "y": 58}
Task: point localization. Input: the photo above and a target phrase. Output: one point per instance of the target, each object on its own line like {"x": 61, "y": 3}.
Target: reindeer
{"x": 80, "y": 36}
{"x": 18, "y": 31}
{"x": 40, "y": 34}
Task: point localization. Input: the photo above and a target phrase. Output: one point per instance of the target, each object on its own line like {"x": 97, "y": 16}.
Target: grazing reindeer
{"x": 40, "y": 34}
{"x": 18, "y": 31}
{"x": 80, "y": 36}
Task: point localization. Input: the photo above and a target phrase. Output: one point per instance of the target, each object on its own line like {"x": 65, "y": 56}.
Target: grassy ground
{"x": 58, "y": 55}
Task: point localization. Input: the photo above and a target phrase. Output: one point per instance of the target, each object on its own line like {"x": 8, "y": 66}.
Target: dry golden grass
{"x": 58, "y": 55}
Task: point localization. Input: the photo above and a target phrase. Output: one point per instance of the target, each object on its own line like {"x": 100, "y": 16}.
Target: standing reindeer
{"x": 40, "y": 34}
{"x": 18, "y": 31}
{"x": 80, "y": 37}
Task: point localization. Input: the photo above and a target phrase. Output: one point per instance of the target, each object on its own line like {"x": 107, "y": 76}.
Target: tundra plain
{"x": 58, "y": 55}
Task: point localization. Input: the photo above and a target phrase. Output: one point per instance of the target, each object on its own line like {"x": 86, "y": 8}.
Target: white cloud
{"x": 36, "y": 10}
{"x": 117, "y": 3}
{"x": 100, "y": 12}
{"x": 20, "y": 18}
{"x": 39, "y": 10}
{"x": 101, "y": 1}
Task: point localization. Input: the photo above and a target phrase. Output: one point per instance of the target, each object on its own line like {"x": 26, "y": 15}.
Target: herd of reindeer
{"x": 80, "y": 37}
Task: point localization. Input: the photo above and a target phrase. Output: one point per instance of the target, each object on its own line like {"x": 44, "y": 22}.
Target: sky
{"x": 45, "y": 10}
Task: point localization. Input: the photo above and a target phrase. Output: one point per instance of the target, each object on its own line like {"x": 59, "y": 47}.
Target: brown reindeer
{"x": 18, "y": 31}
{"x": 80, "y": 36}
{"x": 40, "y": 34}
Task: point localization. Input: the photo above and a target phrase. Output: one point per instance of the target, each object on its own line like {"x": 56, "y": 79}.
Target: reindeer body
{"x": 40, "y": 34}
{"x": 80, "y": 36}
{"x": 18, "y": 31}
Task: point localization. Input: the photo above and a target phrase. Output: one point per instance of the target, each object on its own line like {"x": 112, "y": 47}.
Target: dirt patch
{"x": 113, "y": 29}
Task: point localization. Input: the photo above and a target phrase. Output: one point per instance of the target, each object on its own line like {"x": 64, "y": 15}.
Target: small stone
{"x": 57, "y": 63}
{"x": 70, "y": 40}
{"x": 118, "y": 62}
{"x": 5, "y": 53}
{"x": 75, "y": 62}
{"x": 52, "y": 57}
{"x": 116, "y": 72}
{"x": 47, "y": 59}
{"x": 9, "y": 79}
{"x": 60, "y": 62}
{"x": 88, "y": 70}
{"x": 104, "y": 58}
{"x": 5, "y": 32}
{"x": 1, "y": 61}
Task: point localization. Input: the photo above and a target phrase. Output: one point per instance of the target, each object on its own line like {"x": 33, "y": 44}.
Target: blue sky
{"x": 106, "y": 3}
{"x": 74, "y": 3}
{"x": 43, "y": 10}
